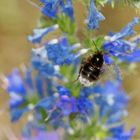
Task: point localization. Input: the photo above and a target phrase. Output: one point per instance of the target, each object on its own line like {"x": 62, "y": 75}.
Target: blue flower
{"x": 38, "y": 34}
{"x": 126, "y": 31}
{"x": 117, "y": 46}
{"x": 47, "y": 103}
{"x": 63, "y": 101}
{"x": 108, "y": 60}
{"x": 84, "y": 105}
{"x": 28, "y": 79}
{"x": 67, "y": 8}
{"x": 21, "y": 92}
{"x": 41, "y": 63}
{"x": 39, "y": 86}
{"x": 17, "y": 92}
{"x": 63, "y": 91}
{"x": 50, "y": 8}
{"x": 44, "y": 85}
{"x": 112, "y": 101}
{"x": 120, "y": 47}
{"x": 15, "y": 83}
{"x": 67, "y": 105}
{"x": 120, "y": 134}
{"x": 131, "y": 58}
{"x": 60, "y": 52}
{"x": 94, "y": 16}
{"x": 17, "y": 113}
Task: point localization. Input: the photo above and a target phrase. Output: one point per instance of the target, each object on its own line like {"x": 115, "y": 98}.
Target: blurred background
{"x": 18, "y": 18}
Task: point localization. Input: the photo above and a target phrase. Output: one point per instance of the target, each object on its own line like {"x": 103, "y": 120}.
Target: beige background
{"x": 18, "y": 18}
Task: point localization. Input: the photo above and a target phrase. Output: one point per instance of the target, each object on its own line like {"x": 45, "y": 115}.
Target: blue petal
{"x": 119, "y": 47}
{"x": 108, "y": 60}
{"x": 127, "y": 30}
{"x": 112, "y": 100}
{"x": 133, "y": 57}
{"x": 84, "y": 105}
{"x": 94, "y": 16}
{"x": 16, "y": 84}
{"x": 27, "y": 130}
{"x": 119, "y": 134}
{"x": 16, "y": 100}
{"x": 39, "y": 85}
{"x": 36, "y": 61}
{"x": 48, "y": 70}
{"x": 67, "y": 105}
{"x": 47, "y": 103}
{"x": 67, "y": 8}
{"x": 63, "y": 91}
{"x": 28, "y": 79}
{"x": 50, "y": 85}
{"x": 60, "y": 53}
{"x": 49, "y": 10}
{"x": 16, "y": 114}
{"x": 40, "y": 33}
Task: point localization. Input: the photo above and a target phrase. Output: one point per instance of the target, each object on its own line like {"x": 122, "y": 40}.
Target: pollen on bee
{"x": 85, "y": 82}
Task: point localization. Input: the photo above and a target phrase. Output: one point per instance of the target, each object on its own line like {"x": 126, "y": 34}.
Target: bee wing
{"x": 110, "y": 72}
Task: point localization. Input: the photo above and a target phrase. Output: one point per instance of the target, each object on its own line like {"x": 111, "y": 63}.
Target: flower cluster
{"x": 52, "y": 8}
{"x": 46, "y": 91}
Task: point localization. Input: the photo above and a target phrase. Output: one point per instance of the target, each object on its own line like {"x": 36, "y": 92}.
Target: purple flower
{"x": 94, "y": 16}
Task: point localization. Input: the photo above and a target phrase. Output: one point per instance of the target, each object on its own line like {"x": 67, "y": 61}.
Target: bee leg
{"x": 78, "y": 75}
{"x": 76, "y": 79}
{"x": 103, "y": 69}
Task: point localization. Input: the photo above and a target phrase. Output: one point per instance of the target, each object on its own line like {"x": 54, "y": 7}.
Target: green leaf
{"x": 45, "y": 22}
{"x": 66, "y": 24}
{"x": 94, "y": 45}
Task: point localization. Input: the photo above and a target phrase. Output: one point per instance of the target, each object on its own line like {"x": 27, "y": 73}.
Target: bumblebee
{"x": 91, "y": 68}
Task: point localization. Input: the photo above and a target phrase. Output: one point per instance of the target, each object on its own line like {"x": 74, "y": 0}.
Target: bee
{"x": 91, "y": 68}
